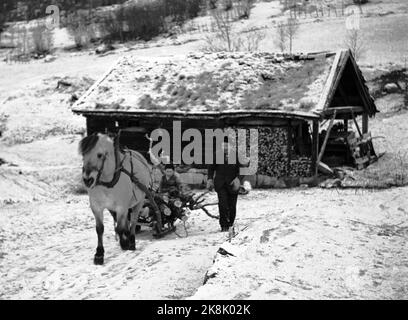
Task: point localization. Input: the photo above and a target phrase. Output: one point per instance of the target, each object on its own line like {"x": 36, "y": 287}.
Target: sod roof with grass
{"x": 217, "y": 84}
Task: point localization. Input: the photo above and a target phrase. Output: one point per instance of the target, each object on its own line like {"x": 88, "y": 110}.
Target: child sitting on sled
{"x": 170, "y": 182}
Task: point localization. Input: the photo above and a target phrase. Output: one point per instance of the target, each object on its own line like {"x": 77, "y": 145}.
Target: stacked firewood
{"x": 273, "y": 151}
{"x": 300, "y": 168}
{"x": 273, "y": 157}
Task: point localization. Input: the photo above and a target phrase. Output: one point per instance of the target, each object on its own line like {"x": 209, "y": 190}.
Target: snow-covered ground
{"x": 316, "y": 244}
{"x": 47, "y": 253}
{"x": 303, "y": 243}
{"x": 300, "y": 243}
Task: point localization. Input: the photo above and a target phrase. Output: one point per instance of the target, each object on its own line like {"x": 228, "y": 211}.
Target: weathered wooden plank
{"x": 338, "y": 76}
{"x": 329, "y": 83}
{"x": 344, "y": 110}
{"x": 326, "y": 138}
{"x": 211, "y": 115}
{"x": 365, "y": 123}
{"x": 94, "y": 87}
{"x": 362, "y": 160}
{"x": 315, "y": 146}
{"x": 356, "y": 123}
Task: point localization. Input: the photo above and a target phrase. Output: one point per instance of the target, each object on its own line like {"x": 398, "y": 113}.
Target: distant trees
{"x": 34, "y": 9}
{"x": 131, "y": 20}
{"x": 147, "y": 19}
{"x": 225, "y": 38}
{"x": 42, "y": 39}
{"x": 286, "y": 32}
{"x": 180, "y": 10}
{"x": 2, "y": 24}
{"x": 5, "y": 7}
{"x": 355, "y": 42}
{"x": 223, "y": 22}
{"x": 80, "y": 29}
{"x": 406, "y": 85}
{"x": 281, "y": 36}
{"x": 292, "y": 28}
{"x": 244, "y": 8}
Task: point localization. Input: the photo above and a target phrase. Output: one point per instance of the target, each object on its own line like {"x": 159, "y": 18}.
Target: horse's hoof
{"x": 132, "y": 243}
{"x": 98, "y": 260}
{"x": 124, "y": 245}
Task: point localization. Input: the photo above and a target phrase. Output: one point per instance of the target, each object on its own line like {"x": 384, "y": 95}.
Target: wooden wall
{"x": 285, "y": 145}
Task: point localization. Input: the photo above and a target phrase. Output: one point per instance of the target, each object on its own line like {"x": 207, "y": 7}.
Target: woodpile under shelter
{"x": 311, "y": 110}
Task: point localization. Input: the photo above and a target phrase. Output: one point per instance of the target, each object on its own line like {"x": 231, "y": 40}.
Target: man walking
{"x": 226, "y": 183}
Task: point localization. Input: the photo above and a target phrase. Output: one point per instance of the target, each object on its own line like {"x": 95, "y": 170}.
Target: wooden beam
{"x": 362, "y": 86}
{"x": 200, "y": 115}
{"x": 356, "y": 124}
{"x": 344, "y": 110}
{"x": 289, "y": 147}
{"x": 365, "y": 123}
{"x": 346, "y": 127}
{"x": 95, "y": 86}
{"x": 315, "y": 146}
{"x": 329, "y": 82}
{"x": 337, "y": 82}
{"x": 326, "y": 138}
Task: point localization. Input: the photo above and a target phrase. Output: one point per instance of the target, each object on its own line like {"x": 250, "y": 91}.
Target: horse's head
{"x": 98, "y": 153}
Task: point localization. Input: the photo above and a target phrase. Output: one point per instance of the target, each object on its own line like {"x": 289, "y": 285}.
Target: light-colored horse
{"x": 107, "y": 175}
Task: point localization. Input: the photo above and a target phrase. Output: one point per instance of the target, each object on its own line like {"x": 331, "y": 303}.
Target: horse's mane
{"x": 88, "y": 143}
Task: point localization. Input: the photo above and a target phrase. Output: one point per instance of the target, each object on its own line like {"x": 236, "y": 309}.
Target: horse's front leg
{"x": 100, "y": 251}
{"x": 134, "y": 218}
{"x": 122, "y": 227}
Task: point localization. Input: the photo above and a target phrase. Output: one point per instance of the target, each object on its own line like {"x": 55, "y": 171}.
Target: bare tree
{"x": 223, "y": 24}
{"x": 244, "y": 8}
{"x": 292, "y": 27}
{"x": 2, "y": 24}
{"x": 228, "y": 5}
{"x": 225, "y": 38}
{"x": 212, "y": 4}
{"x": 406, "y": 85}
{"x": 355, "y": 42}
{"x": 42, "y": 39}
{"x": 286, "y": 32}
{"x": 249, "y": 40}
{"x": 81, "y": 31}
{"x": 281, "y": 36}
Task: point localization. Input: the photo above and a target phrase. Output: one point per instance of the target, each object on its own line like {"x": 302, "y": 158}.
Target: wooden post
{"x": 89, "y": 126}
{"x": 346, "y": 125}
{"x": 365, "y": 123}
{"x": 315, "y": 145}
{"x": 326, "y": 138}
{"x": 356, "y": 124}
{"x": 289, "y": 147}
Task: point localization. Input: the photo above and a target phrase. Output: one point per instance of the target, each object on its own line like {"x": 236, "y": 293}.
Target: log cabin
{"x": 311, "y": 110}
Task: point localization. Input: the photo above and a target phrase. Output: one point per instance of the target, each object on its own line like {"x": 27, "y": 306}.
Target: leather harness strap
{"x": 116, "y": 175}
{"x": 118, "y": 171}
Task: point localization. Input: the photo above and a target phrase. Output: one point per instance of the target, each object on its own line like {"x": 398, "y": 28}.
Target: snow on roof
{"x": 211, "y": 83}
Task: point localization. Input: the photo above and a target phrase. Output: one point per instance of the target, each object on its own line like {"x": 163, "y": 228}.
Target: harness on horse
{"x": 119, "y": 169}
